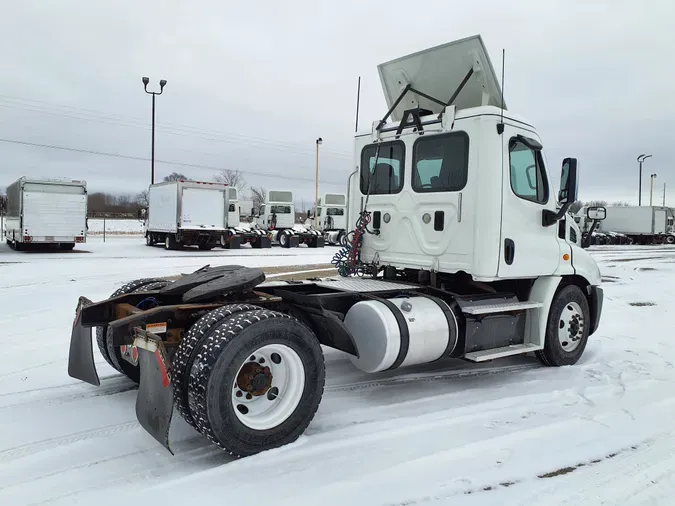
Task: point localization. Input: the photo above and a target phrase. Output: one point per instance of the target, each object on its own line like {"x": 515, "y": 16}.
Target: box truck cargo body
{"x": 46, "y": 211}
{"x": 187, "y": 213}
{"x": 642, "y": 224}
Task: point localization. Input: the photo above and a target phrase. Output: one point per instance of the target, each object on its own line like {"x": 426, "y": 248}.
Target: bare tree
{"x": 576, "y": 206}
{"x": 258, "y": 196}
{"x": 620, "y": 203}
{"x": 600, "y": 203}
{"x": 234, "y": 178}
{"x": 176, "y": 176}
{"x": 142, "y": 198}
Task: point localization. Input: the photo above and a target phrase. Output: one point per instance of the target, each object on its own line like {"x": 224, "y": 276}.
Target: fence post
{"x": 104, "y": 229}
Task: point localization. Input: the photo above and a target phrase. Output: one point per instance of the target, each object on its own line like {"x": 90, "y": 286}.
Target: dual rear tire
{"x": 249, "y": 379}
{"x": 113, "y": 354}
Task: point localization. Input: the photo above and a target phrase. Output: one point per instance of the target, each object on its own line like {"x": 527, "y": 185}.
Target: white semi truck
{"x": 46, "y": 211}
{"x": 458, "y": 251}
{"x": 236, "y": 235}
{"x": 277, "y": 216}
{"x": 186, "y": 213}
{"x": 640, "y": 224}
{"x": 332, "y": 217}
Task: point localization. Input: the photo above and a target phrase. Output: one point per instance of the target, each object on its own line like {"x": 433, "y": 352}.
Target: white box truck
{"x": 46, "y": 211}
{"x": 642, "y": 224}
{"x": 186, "y": 213}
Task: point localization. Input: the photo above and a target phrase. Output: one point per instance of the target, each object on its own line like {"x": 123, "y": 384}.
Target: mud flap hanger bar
{"x": 415, "y": 113}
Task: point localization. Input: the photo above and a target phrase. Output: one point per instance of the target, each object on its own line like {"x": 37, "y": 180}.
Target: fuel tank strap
{"x": 402, "y": 327}
{"x": 453, "y": 327}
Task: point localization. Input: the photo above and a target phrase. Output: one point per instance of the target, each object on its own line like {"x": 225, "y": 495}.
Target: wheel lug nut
{"x": 238, "y": 394}
{"x": 249, "y": 396}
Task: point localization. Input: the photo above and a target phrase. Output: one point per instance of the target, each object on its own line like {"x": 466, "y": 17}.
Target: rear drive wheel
{"x": 170, "y": 242}
{"x": 283, "y": 239}
{"x": 113, "y": 354}
{"x": 187, "y": 350}
{"x": 568, "y": 326}
{"x": 670, "y": 239}
{"x": 257, "y": 383}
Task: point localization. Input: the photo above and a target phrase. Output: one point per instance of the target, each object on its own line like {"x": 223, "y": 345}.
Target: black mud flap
{"x": 81, "y": 355}
{"x": 154, "y": 403}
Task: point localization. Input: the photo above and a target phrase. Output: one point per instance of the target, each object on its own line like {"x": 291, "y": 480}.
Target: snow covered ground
{"x": 510, "y": 432}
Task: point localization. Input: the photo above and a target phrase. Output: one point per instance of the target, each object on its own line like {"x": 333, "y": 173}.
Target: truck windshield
{"x": 280, "y": 209}
{"x": 231, "y": 209}
{"x": 334, "y": 211}
{"x": 387, "y": 176}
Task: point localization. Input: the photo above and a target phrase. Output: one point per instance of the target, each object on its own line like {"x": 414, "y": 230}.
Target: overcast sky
{"x": 252, "y": 87}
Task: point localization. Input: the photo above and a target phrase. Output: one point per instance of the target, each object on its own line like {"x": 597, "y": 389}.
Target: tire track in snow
{"x": 110, "y": 385}
{"x": 430, "y": 377}
{"x": 47, "y": 444}
{"x": 120, "y": 384}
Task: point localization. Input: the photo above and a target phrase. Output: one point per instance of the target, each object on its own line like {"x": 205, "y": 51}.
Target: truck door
{"x": 528, "y": 248}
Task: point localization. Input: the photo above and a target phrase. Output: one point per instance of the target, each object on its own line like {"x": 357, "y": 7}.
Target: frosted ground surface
{"x": 510, "y": 432}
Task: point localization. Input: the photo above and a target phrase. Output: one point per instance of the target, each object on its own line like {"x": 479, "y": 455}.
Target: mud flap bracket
{"x": 154, "y": 403}
{"x": 81, "y": 354}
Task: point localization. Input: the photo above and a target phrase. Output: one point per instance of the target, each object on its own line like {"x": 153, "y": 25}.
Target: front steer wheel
{"x": 257, "y": 382}
{"x": 567, "y": 329}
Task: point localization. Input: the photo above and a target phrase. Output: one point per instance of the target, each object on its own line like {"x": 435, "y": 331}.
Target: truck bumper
{"x": 597, "y": 298}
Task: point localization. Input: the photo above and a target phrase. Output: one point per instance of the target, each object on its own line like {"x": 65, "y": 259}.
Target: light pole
{"x": 641, "y": 159}
{"x": 651, "y": 188}
{"x": 162, "y": 83}
{"x": 316, "y": 192}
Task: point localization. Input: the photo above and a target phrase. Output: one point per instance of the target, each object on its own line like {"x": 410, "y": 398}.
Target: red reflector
{"x": 79, "y": 239}
{"x": 26, "y": 238}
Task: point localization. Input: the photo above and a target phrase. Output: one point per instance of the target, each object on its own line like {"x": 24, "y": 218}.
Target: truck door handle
{"x": 377, "y": 215}
{"x": 439, "y": 220}
{"x": 509, "y": 251}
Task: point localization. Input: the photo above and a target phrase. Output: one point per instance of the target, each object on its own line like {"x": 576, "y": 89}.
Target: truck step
{"x": 504, "y": 351}
{"x": 501, "y": 308}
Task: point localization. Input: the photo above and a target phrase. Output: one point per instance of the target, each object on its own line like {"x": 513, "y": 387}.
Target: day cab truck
{"x": 236, "y": 235}
{"x": 46, "y": 211}
{"x": 457, "y": 249}
{"x": 186, "y": 213}
{"x": 332, "y": 217}
{"x": 277, "y": 216}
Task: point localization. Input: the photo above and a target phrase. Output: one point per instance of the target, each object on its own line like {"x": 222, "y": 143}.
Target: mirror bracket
{"x": 549, "y": 217}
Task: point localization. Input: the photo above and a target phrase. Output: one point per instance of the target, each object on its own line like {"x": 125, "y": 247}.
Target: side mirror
{"x": 596, "y": 213}
{"x": 567, "y": 194}
{"x": 568, "y": 181}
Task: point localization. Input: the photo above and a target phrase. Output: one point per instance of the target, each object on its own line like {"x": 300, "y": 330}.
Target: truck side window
{"x": 262, "y": 210}
{"x": 387, "y": 176}
{"x": 440, "y": 163}
{"x": 528, "y": 180}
